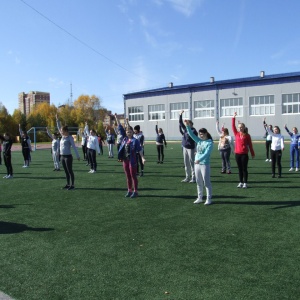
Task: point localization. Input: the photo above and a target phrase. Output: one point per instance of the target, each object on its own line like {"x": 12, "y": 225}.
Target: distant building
{"x": 274, "y": 97}
{"x": 109, "y": 118}
{"x": 27, "y": 102}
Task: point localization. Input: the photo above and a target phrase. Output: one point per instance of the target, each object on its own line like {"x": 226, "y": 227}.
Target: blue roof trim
{"x": 221, "y": 84}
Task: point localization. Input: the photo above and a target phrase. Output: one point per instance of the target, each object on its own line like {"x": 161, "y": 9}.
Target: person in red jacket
{"x": 243, "y": 143}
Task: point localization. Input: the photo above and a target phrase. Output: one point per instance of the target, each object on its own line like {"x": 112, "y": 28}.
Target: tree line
{"x": 84, "y": 109}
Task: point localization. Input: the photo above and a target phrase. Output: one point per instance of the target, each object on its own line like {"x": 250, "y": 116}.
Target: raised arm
{"x": 181, "y": 124}
{"x": 233, "y": 124}
{"x": 58, "y": 125}
{"x": 49, "y": 133}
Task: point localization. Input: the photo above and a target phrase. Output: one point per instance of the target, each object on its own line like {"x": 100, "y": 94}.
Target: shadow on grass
{"x": 278, "y": 204}
{"x": 10, "y": 228}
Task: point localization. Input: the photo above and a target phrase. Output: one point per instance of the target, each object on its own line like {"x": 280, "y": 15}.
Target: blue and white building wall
{"x": 274, "y": 97}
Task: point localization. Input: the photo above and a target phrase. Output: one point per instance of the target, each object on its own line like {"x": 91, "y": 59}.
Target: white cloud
{"x": 186, "y": 7}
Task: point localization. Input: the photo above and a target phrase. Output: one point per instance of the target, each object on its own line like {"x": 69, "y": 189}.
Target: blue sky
{"x": 113, "y": 47}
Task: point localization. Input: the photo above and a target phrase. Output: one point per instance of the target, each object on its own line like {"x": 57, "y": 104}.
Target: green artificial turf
{"x": 93, "y": 243}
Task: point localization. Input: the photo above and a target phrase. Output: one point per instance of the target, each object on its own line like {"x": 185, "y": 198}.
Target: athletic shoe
{"x": 65, "y": 187}
{"x": 71, "y": 188}
{"x": 270, "y": 160}
{"x": 134, "y": 195}
{"x": 244, "y": 185}
{"x": 291, "y": 169}
{"x": 5, "y": 176}
{"x": 128, "y": 194}
{"x": 228, "y": 172}
{"x": 267, "y": 159}
{"x": 208, "y": 202}
{"x": 90, "y": 171}
{"x": 296, "y": 170}
{"x": 240, "y": 185}
{"x": 161, "y": 162}
{"x": 142, "y": 174}
{"x": 192, "y": 181}
{"x": 273, "y": 175}
{"x": 223, "y": 172}
{"x": 158, "y": 162}
{"x": 198, "y": 200}
{"x": 9, "y": 177}
{"x": 185, "y": 180}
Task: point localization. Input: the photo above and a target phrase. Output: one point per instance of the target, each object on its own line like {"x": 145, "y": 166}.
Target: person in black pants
{"x": 7, "y": 143}
{"x": 160, "y": 142}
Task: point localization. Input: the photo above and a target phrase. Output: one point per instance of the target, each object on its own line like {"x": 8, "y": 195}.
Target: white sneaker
{"x": 208, "y": 202}
{"x": 291, "y": 169}
{"x": 185, "y": 180}
{"x": 244, "y": 185}
{"x": 5, "y": 176}
{"x": 91, "y": 171}
{"x": 9, "y": 177}
{"x": 267, "y": 159}
{"x": 192, "y": 181}
{"x": 296, "y": 170}
{"x": 240, "y": 185}
{"x": 198, "y": 200}
{"x": 270, "y": 160}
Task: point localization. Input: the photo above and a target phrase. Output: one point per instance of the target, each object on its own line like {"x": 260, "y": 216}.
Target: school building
{"x": 275, "y": 97}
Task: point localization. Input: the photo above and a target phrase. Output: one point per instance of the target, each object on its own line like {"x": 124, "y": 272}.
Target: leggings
{"x": 160, "y": 152}
{"x": 7, "y": 161}
{"x": 268, "y": 147}
{"x": 92, "y": 158}
{"x": 67, "y": 162}
{"x": 242, "y": 163}
{"x": 276, "y": 158}
{"x": 130, "y": 171}
{"x": 26, "y": 155}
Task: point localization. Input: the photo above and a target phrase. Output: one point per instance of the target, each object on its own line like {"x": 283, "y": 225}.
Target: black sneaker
{"x": 65, "y": 187}
{"x": 71, "y": 188}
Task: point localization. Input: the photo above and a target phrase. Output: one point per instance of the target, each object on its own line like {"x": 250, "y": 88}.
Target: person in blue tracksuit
{"x": 294, "y": 150}
{"x": 204, "y": 148}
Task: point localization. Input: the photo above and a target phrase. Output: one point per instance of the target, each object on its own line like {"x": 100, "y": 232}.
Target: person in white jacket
{"x": 92, "y": 146}
{"x": 55, "y": 149}
{"x": 225, "y": 148}
{"x": 277, "y": 147}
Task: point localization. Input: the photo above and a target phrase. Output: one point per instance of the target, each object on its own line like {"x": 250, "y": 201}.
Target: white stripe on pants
{"x": 202, "y": 173}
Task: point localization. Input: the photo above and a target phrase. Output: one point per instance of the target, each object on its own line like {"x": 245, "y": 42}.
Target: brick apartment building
{"x": 27, "y": 102}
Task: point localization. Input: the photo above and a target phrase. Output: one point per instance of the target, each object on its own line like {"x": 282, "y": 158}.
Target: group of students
{"x": 275, "y": 147}
{"x": 196, "y": 147}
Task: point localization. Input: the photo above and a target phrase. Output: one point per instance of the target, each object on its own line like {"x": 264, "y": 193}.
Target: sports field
{"x": 93, "y": 243}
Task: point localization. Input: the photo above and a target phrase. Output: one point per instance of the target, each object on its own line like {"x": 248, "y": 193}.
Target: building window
{"x": 176, "y": 109}
{"x": 291, "y": 103}
{"x": 157, "y": 112}
{"x": 204, "y": 109}
{"x": 231, "y": 105}
{"x": 136, "y": 113}
{"x": 262, "y": 105}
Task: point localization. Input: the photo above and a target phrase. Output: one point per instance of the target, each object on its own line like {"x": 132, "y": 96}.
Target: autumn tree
{"x": 6, "y": 121}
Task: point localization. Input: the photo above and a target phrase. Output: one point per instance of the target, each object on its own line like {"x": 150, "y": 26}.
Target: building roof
{"x": 220, "y": 84}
